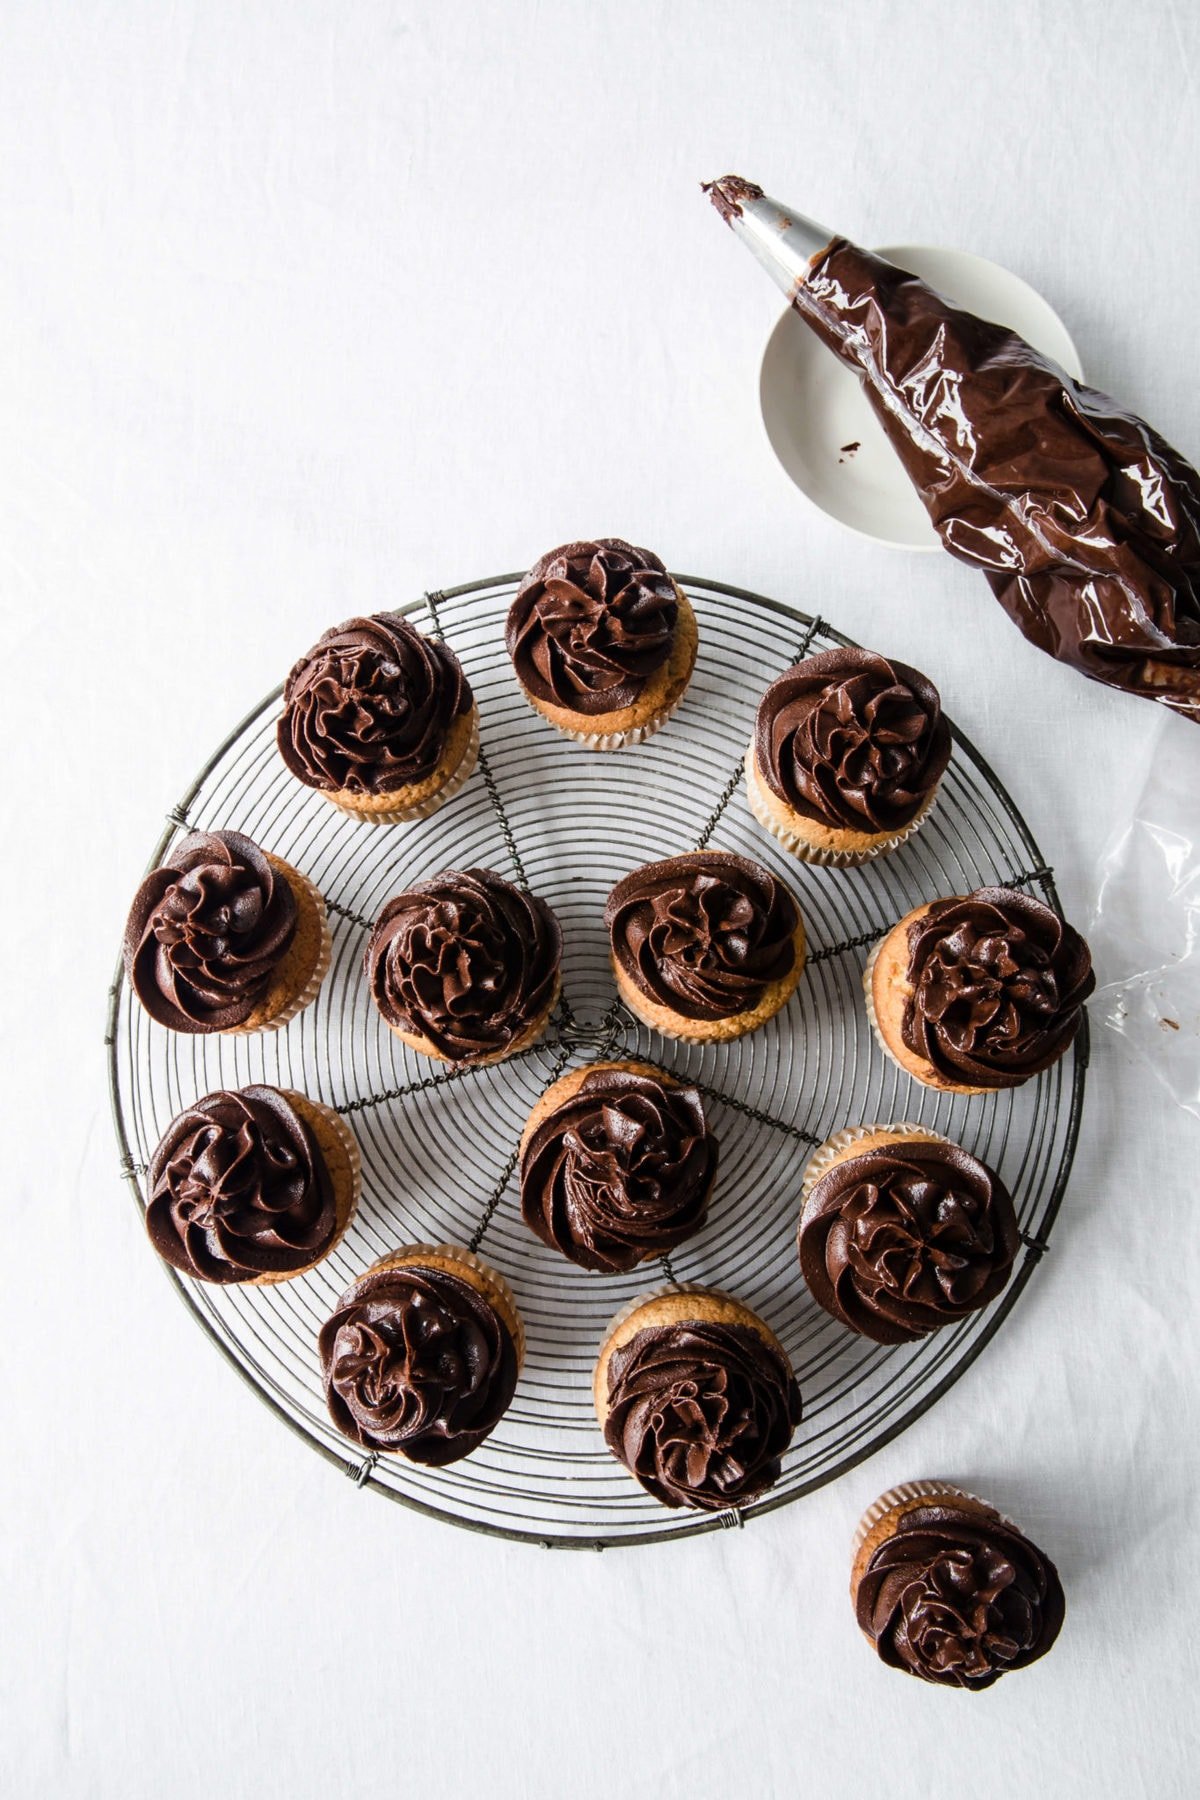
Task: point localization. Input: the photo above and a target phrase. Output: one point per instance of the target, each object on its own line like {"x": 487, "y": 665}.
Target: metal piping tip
{"x": 785, "y": 242}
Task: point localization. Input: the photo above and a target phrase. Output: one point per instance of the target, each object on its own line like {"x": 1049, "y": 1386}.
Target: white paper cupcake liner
{"x": 799, "y": 846}
{"x": 423, "y": 809}
{"x": 679, "y": 1035}
{"x": 533, "y": 1031}
{"x": 304, "y": 1103}
{"x": 687, "y": 1032}
{"x": 490, "y": 1279}
{"x": 308, "y": 993}
{"x": 825, "y": 1154}
{"x": 342, "y": 1132}
{"x": 617, "y": 740}
{"x": 901, "y": 1495}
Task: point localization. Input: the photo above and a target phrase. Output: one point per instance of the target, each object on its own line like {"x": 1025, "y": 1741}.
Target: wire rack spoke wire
{"x": 440, "y": 1144}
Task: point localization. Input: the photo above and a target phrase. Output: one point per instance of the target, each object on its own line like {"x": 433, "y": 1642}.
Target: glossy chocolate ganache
{"x": 417, "y": 1361}
{"x": 852, "y": 740}
{"x": 957, "y": 1596}
{"x": 369, "y": 708}
{"x": 1084, "y": 520}
{"x": 206, "y": 932}
{"x": 590, "y": 624}
{"x": 238, "y": 1189}
{"x": 620, "y": 1170}
{"x": 465, "y": 961}
{"x": 907, "y": 1237}
{"x": 999, "y": 981}
{"x": 701, "y": 1412}
{"x": 703, "y": 934}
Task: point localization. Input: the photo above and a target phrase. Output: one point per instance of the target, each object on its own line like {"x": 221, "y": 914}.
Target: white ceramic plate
{"x": 814, "y": 409}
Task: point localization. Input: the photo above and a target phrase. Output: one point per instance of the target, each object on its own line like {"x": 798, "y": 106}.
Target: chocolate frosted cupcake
{"x": 464, "y": 966}
{"x": 696, "y": 1396}
{"x": 705, "y": 946}
{"x": 225, "y": 937}
{"x": 380, "y": 719}
{"x": 902, "y": 1232}
{"x": 421, "y": 1355}
{"x": 948, "y": 1590}
{"x": 617, "y": 1164}
{"x": 603, "y": 642}
{"x": 978, "y": 992}
{"x": 252, "y": 1184}
{"x": 847, "y": 753}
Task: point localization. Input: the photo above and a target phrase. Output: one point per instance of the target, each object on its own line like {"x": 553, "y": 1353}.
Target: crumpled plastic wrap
{"x": 1145, "y": 928}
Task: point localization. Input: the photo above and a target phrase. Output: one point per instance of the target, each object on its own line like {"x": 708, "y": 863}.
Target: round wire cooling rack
{"x": 440, "y": 1145}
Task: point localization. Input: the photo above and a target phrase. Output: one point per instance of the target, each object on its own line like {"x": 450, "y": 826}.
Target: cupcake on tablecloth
{"x": 603, "y": 642}
{"x": 223, "y": 936}
{"x": 902, "y": 1232}
{"x": 464, "y": 967}
{"x": 420, "y": 1357}
{"x": 380, "y": 719}
{"x": 254, "y": 1184}
{"x": 978, "y": 992}
{"x": 948, "y": 1590}
{"x": 847, "y": 754}
{"x": 617, "y": 1164}
{"x": 696, "y": 1397}
{"x": 706, "y": 946}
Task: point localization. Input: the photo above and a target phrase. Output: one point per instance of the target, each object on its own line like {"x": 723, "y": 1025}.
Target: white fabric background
{"x": 305, "y": 308}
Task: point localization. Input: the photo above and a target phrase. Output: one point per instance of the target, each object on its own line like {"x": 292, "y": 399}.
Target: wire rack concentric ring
{"x": 439, "y": 1146}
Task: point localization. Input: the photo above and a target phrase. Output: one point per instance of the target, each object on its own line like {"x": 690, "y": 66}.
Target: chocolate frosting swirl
{"x": 369, "y": 708}
{"x": 620, "y": 1171}
{"x": 701, "y": 1412}
{"x": 239, "y": 1189}
{"x": 418, "y": 1361}
{"x": 853, "y": 740}
{"x": 958, "y": 1597}
{"x": 590, "y": 624}
{"x": 907, "y": 1237}
{"x": 206, "y": 932}
{"x": 999, "y": 984}
{"x": 703, "y": 934}
{"x": 464, "y": 960}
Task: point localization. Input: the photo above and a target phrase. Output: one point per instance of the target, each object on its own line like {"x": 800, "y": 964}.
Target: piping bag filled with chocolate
{"x": 1086, "y": 524}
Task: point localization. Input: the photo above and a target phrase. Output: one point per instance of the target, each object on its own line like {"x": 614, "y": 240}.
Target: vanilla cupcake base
{"x": 453, "y": 1259}
{"x": 524, "y": 1041}
{"x": 420, "y": 799}
{"x": 567, "y": 1086}
{"x": 713, "y": 1031}
{"x": 881, "y": 1518}
{"x": 885, "y": 979}
{"x": 814, "y": 842}
{"x": 684, "y": 1304}
{"x": 297, "y": 980}
{"x": 338, "y": 1148}
{"x": 659, "y": 699}
{"x": 860, "y": 1140}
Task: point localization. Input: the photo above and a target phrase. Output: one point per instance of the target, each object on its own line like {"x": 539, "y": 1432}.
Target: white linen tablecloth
{"x": 306, "y": 308}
